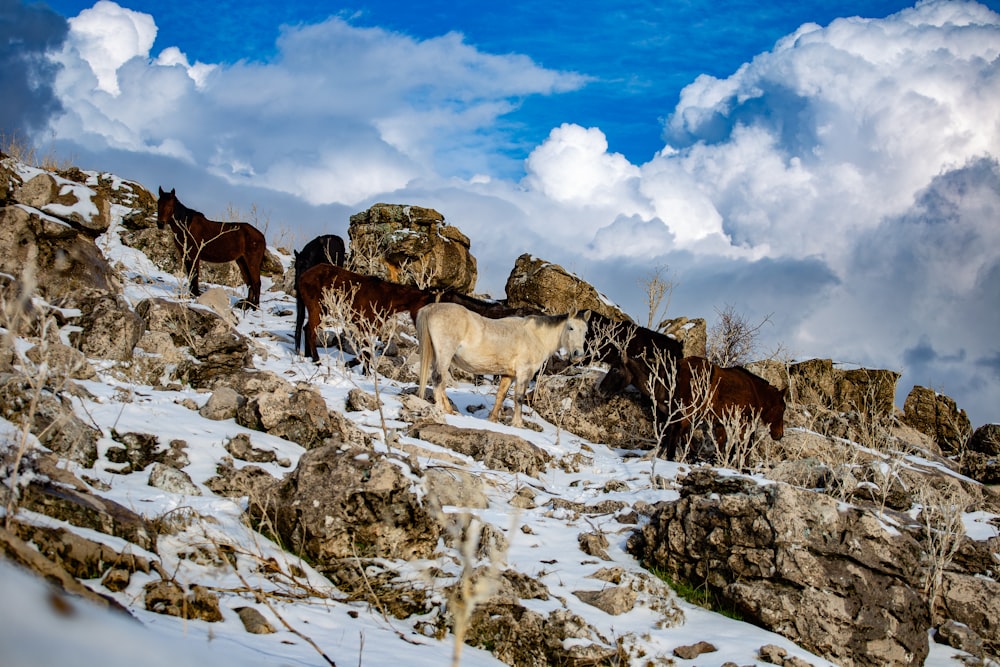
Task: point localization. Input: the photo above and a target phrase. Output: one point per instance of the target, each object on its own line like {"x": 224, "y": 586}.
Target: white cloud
{"x": 107, "y": 36}
{"x": 341, "y": 113}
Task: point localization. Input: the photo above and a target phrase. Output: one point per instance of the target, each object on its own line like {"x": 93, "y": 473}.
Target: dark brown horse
{"x": 372, "y": 297}
{"x": 612, "y": 341}
{"x": 729, "y": 389}
{"x": 198, "y": 238}
{"x": 325, "y": 249}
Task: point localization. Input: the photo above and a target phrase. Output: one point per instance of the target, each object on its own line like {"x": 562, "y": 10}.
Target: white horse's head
{"x": 571, "y": 343}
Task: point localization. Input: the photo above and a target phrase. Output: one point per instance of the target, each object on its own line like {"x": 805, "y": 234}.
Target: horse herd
{"x": 479, "y": 336}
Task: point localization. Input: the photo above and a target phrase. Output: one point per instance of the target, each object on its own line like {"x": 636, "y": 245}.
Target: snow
{"x": 37, "y": 629}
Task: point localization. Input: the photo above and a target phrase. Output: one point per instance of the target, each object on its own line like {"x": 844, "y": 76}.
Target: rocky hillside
{"x": 175, "y": 462}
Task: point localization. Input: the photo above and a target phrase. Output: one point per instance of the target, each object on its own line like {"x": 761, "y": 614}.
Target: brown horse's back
{"x": 372, "y": 297}
{"x": 734, "y": 388}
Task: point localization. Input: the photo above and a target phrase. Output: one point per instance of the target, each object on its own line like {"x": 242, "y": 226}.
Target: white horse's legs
{"x": 502, "y": 388}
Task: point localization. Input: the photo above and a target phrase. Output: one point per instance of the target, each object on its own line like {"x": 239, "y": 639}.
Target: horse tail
{"x": 426, "y": 350}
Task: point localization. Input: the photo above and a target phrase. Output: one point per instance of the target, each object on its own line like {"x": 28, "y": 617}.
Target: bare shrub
{"x": 741, "y": 447}
{"x": 669, "y": 414}
{"x": 659, "y": 289}
{"x": 941, "y": 510}
{"x": 732, "y": 340}
{"x": 37, "y": 368}
{"x": 371, "y": 337}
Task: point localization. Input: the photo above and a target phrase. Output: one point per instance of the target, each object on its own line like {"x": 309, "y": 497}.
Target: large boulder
{"x": 939, "y": 417}
{"x": 50, "y": 255}
{"x": 535, "y": 283}
{"x": 215, "y": 349}
{"x": 411, "y": 245}
{"x": 347, "y": 502}
{"x": 816, "y": 382}
{"x": 827, "y": 576}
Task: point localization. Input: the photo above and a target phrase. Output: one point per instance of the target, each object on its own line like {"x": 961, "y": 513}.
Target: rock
{"x": 254, "y": 621}
{"x": 693, "y": 334}
{"x": 939, "y": 417}
{"x": 241, "y": 448}
{"x": 972, "y": 600}
{"x": 817, "y": 383}
{"x": 547, "y": 287}
{"x": 17, "y": 550}
{"x": 826, "y": 576}
{"x": 62, "y": 360}
{"x": 136, "y": 451}
{"x": 52, "y": 420}
{"x": 594, "y": 544}
{"x": 76, "y": 505}
{"x": 110, "y": 329}
{"x": 167, "y": 597}
{"x": 300, "y": 415}
{"x": 172, "y": 480}
{"x": 498, "y": 451}
{"x": 986, "y": 440}
{"x": 518, "y": 636}
{"x": 250, "y": 481}
{"x": 573, "y": 403}
{"x": 692, "y": 651}
{"x": 615, "y": 600}
{"x": 222, "y": 404}
{"x": 217, "y": 350}
{"x": 359, "y": 400}
{"x": 344, "y": 503}
{"x": 411, "y": 245}
{"x": 453, "y": 486}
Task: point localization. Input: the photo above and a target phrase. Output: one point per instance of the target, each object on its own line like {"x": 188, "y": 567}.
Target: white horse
{"x": 512, "y": 347}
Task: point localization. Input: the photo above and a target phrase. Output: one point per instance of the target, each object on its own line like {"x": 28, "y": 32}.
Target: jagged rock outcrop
{"x": 411, "y": 245}
{"x": 815, "y": 382}
{"x": 498, "y": 451}
{"x": 830, "y": 578}
{"x": 215, "y": 349}
{"x": 50, "y": 255}
{"x": 574, "y": 403}
{"x": 346, "y": 502}
{"x": 939, "y": 417}
{"x": 535, "y": 283}
{"x": 692, "y": 333}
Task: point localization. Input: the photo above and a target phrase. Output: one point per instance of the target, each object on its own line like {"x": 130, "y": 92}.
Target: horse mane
{"x": 550, "y": 320}
{"x": 184, "y": 213}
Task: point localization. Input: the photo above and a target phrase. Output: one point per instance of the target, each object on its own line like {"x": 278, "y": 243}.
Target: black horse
{"x": 325, "y": 249}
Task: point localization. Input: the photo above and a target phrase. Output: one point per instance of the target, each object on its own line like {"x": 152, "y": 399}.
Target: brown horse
{"x": 372, "y": 297}
{"x": 198, "y": 238}
{"x": 729, "y": 389}
{"x": 325, "y": 249}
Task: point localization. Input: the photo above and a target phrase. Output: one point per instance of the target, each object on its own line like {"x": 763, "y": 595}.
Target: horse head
{"x": 616, "y": 379}
{"x": 574, "y": 334}
{"x": 775, "y": 415}
{"x": 165, "y": 207}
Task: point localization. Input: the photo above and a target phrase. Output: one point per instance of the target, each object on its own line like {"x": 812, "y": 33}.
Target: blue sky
{"x": 833, "y": 167}
{"x": 638, "y": 54}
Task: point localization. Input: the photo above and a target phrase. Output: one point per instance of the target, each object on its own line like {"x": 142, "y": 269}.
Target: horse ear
{"x": 161, "y": 190}
{"x": 586, "y": 315}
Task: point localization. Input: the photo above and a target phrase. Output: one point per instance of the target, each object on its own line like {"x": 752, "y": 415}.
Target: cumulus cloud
{"x": 107, "y": 36}
{"x": 339, "y": 114}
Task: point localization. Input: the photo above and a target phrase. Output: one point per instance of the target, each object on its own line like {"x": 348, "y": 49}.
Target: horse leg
{"x": 253, "y": 296}
{"x": 440, "y": 396}
{"x": 192, "y": 266}
{"x": 300, "y": 307}
{"x": 505, "y": 382}
{"x": 312, "y": 323}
